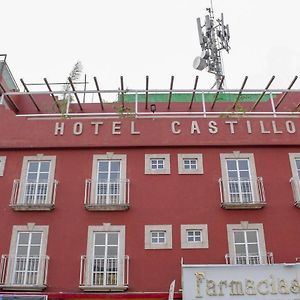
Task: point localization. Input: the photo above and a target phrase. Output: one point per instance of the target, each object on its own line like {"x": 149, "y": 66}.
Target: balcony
{"x": 19, "y": 273}
{"x": 31, "y": 196}
{"x": 239, "y": 193}
{"x": 295, "y": 183}
{"x": 104, "y": 273}
{"x": 106, "y": 195}
{"x": 250, "y": 259}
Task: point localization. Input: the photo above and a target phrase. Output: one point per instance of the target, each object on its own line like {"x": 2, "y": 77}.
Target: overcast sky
{"x": 159, "y": 38}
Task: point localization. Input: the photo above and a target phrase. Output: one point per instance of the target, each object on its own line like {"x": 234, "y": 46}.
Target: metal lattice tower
{"x": 213, "y": 37}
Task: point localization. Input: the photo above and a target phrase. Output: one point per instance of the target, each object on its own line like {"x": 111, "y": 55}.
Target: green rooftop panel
{"x": 180, "y": 97}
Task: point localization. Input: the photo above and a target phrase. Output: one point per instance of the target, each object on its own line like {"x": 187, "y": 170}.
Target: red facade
{"x": 154, "y": 199}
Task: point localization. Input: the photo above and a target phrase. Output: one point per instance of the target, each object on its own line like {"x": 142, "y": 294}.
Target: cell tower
{"x": 214, "y": 37}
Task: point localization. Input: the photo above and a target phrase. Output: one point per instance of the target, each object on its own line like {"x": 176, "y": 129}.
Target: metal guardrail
{"x": 242, "y": 191}
{"x": 105, "y": 193}
{"x": 104, "y": 271}
{"x": 32, "y": 194}
{"x": 295, "y": 183}
{"x": 23, "y": 271}
{"x": 249, "y": 259}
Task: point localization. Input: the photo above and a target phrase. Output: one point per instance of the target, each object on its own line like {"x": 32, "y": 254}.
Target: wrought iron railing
{"x": 104, "y": 271}
{"x": 242, "y": 191}
{"x": 106, "y": 193}
{"x": 249, "y": 259}
{"x": 23, "y": 271}
{"x": 295, "y": 183}
{"x": 33, "y": 194}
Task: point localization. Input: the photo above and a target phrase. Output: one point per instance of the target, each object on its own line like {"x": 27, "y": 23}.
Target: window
{"x": 2, "y": 164}
{"x": 109, "y": 188}
{"x": 295, "y": 179}
{"x": 105, "y": 266}
{"x": 190, "y": 163}
{"x": 157, "y": 163}
{"x": 247, "y": 244}
{"x": 37, "y": 188}
{"x": 240, "y": 186}
{"x": 194, "y": 236}
{"x": 158, "y": 236}
{"x": 27, "y": 263}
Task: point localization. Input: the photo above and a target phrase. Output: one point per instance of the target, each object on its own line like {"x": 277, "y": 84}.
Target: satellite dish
{"x": 199, "y": 63}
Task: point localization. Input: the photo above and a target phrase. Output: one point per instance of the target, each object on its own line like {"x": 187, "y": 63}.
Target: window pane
{"x": 113, "y": 239}
{"x": 22, "y": 250}
{"x": 231, "y": 164}
{"x": 112, "y": 251}
{"x": 239, "y": 237}
{"x": 36, "y": 238}
{"x": 23, "y": 238}
{"x": 99, "y": 238}
{"x": 103, "y": 166}
{"x": 33, "y": 166}
{"x": 240, "y": 249}
{"x": 34, "y": 251}
{"x": 243, "y": 164}
{"x": 99, "y": 251}
{"x": 253, "y": 249}
{"x": 115, "y": 166}
{"x": 45, "y": 166}
{"x": 252, "y": 236}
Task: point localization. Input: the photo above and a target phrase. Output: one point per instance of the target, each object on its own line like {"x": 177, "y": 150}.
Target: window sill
{"x": 23, "y": 287}
{"x": 106, "y": 207}
{"x": 254, "y": 205}
{"x": 32, "y": 207}
{"x": 99, "y": 288}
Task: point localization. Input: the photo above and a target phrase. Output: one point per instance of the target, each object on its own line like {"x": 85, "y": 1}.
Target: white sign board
{"x": 227, "y": 282}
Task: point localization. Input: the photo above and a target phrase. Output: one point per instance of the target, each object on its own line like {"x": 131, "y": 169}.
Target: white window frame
{"x": 164, "y": 171}
{"x": 158, "y": 237}
{"x": 39, "y": 157}
{"x": 252, "y": 170}
{"x": 30, "y": 227}
{"x": 295, "y": 180}
{"x": 243, "y": 226}
{"x": 154, "y": 228}
{"x": 106, "y": 227}
{"x": 2, "y": 165}
{"x": 199, "y": 161}
{"x": 184, "y": 228}
{"x": 123, "y": 171}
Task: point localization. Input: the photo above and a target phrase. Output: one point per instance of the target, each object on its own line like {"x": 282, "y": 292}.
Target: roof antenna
{"x": 213, "y": 37}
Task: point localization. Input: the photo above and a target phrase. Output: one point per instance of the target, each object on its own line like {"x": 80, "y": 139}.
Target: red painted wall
{"x": 154, "y": 199}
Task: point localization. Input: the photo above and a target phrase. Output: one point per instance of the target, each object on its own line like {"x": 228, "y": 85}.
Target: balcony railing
{"x": 106, "y": 195}
{"x": 33, "y": 195}
{"x": 249, "y": 259}
{"x": 295, "y": 183}
{"x": 23, "y": 273}
{"x": 104, "y": 273}
{"x": 239, "y": 193}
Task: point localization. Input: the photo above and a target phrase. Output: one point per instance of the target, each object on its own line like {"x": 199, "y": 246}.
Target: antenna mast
{"x": 213, "y": 37}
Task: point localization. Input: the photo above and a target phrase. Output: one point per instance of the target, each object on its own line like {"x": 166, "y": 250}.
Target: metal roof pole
{"x": 147, "y": 86}
{"x": 75, "y": 94}
{"x": 170, "y": 94}
{"x": 30, "y": 96}
{"x": 217, "y": 94}
{"x": 261, "y": 96}
{"x": 98, "y": 92}
{"x": 194, "y": 91}
{"x": 52, "y": 95}
{"x": 285, "y": 93}
{"x": 240, "y": 92}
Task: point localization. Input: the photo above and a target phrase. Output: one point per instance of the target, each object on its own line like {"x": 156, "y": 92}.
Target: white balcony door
{"x": 297, "y": 163}
{"x": 27, "y": 260}
{"x": 109, "y": 187}
{"x": 37, "y": 182}
{"x": 106, "y": 260}
{"x": 239, "y": 181}
{"x": 246, "y": 247}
